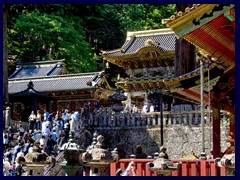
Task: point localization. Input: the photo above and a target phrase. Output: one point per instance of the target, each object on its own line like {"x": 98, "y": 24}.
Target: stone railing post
{"x": 164, "y": 119}
{"x": 184, "y": 118}
{"x": 190, "y": 117}
{"x": 174, "y": 118}
{"x": 133, "y": 120}
{"x": 154, "y": 120}
{"x": 148, "y": 120}
{"x": 128, "y": 119}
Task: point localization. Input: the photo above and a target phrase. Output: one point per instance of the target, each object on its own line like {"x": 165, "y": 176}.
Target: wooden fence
{"x": 195, "y": 167}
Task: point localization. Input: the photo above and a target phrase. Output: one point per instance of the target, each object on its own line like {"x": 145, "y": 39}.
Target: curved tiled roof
{"x": 38, "y": 69}
{"x": 162, "y": 41}
{"x": 57, "y": 83}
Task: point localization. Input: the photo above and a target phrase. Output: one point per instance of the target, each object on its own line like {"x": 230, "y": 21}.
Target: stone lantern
{"x": 228, "y": 161}
{"x": 72, "y": 152}
{"x": 98, "y": 159}
{"x": 163, "y": 166}
{"x": 117, "y": 98}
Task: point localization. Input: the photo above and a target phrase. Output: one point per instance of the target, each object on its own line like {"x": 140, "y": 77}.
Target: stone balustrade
{"x": 107, "y": 118}
{"x": 104, "y": 119}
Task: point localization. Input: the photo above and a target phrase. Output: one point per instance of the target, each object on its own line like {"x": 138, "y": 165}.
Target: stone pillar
{"x": 7, "y": 117}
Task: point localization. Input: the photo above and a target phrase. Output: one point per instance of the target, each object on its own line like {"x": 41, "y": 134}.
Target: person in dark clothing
{"x": 19, "y": 170}
{"x": 139, "y": 153}
{"x": 8, "y": 155}
{"x": 50, "y": 145}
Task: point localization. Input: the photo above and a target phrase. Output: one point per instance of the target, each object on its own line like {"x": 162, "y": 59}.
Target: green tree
{"x": 79, "y": 32}
{"x": 37, "y": 36}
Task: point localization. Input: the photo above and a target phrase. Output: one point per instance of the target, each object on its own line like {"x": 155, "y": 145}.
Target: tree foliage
{"x": 37, "y": 36}
{"x": 77, "y": 33}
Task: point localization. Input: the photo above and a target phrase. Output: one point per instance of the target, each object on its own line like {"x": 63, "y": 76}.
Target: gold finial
{"x": 107, "y": 65}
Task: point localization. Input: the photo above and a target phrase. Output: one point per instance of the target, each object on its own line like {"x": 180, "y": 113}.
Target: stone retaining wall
{"x": 180, "y": 140}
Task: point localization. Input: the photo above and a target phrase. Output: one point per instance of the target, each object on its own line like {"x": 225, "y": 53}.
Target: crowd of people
{"x": 50, "y": 130}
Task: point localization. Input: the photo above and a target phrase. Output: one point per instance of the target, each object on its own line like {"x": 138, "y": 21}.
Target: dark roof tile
{"x": 56, "y": 83}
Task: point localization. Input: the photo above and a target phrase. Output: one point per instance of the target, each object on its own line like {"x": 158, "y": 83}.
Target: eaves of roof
{"x": 71, "y": 82}
{"x": 185, "y": 22}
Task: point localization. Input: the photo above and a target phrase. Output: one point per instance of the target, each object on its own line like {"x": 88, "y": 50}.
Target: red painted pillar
{"x": 113, "y": 168}
{"x": 139, "y": 171}
{"x": 213, "y": 168}
{"x": 184, "y": 168}
{"x": 203, "y": 168}
{"x": 216, "y": 132}
{"x": 193, "y": 171}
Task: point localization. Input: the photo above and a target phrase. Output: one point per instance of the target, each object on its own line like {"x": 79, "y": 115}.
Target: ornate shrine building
{"x": 69, "y": 91}
{"x": 148, "y": 58}
{"x": 211, "y": 28}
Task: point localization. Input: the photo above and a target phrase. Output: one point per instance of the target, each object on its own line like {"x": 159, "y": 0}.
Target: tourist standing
{"x": 54, "y": 136}
{"x": 50, "y": 144}
{"x": 66, "y": 131}
{"x": 45, "y": 115}
{"x": 32, "y": 120}
{"x": 38, "y": 120}
{"x": 43, "y": 142}
{"x": 21, "y": 130}
{"x": 5, "y": 141}
{"x": 65, "y": 116}
{"x": 75, "y": 119}
{"x": 17, "y": 149}
{"x": 10, "y": 135}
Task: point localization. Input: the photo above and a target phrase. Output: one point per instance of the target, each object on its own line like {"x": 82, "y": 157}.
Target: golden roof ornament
{"x": 150, "y": 42}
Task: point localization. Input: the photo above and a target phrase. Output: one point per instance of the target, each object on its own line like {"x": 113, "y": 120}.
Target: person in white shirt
{"x": 57, "y": 129}
{"x": 32, "y": 120}
{"x": 151, "y": 108}
{"x": 145, "y": 108}
{"x": 43, "y": 143}
{"x": 7, "y": 165}
{"x": 46, "y": 132}
{"x": 135, "y": 109}
{"x": 74, "y": 121}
